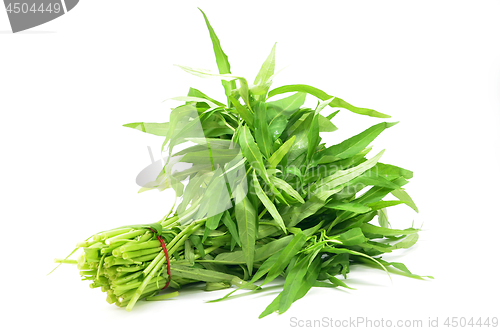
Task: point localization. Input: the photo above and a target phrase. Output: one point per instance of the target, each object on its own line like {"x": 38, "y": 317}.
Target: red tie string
{"x": 162, "y": 242}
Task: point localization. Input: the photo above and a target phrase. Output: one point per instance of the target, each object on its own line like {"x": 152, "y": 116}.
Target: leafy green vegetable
{"x": 261, "y": 196}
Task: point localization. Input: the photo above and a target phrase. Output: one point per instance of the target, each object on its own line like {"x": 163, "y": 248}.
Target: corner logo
{"x": 25, "y": 14}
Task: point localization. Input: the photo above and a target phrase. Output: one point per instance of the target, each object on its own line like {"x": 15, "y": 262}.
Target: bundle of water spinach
{"x": 260, "y": 197}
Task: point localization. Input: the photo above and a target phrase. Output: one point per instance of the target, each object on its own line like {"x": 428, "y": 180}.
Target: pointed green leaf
{"x": 284, "y": 108}
{"x": 325, "y": 125}
{"x": 287, "y": 188}
{"x": 220, "y": 57}
{"x": 293, "y": 282}
{"x": 407, "y": 242}
{"x": 158, "y": 129}
{"x": 398, "y": 268}
{"x": 344, "y": 176}
{"x": 231, "y": 226}
{"x": 373, "y": 229}
{"x": 348, "y": 206}
{"x": 196, "y": 99}
{"x": 246, "y": 217}
{"x": 313, "y": 138}
{"x": 353, "y": 145}
{"x": 391, "y": 172}
{"x": 308, "y": 281}
{"x": 383, "y": 219}
{"x": 198, "y": 94}
{"x": 245, "y": 114}
{"x": 403, "y": 196}
{"x": 203, "y": 73}
{"x": 337, "y": 102}
{"x": 281, "y": 152}
{"x": 261, "y": 253}
{"x": 252, "y": 153}
{"x": 384, "y": 204}
{"x": 337, "y": 282}
{"x": 271, "y": 208}
{"x": 262, "y": 134}
{"x": 352, "y": 237}
{"x": 267, "y": 69}
{"x": 285, "y": 256}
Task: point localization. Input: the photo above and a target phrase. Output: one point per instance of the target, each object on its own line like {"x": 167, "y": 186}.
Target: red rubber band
{"x": 162, "y": 242}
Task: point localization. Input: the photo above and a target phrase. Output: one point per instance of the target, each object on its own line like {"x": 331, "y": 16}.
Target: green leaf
{"x": 181, "y": 123}
{"x": 266, "y": 72}
{"x": 158, "y": 129}
{"x": 287, "y": 188}
{"x": 300, "y": 147}
{"x": 391, "y": 172}
{"x": 405, "y": 198}
{"x": 371, "y": 177}
{"x": 246, "y": 217}
{"x": 339, "y": 263}
{"x": 352, "y": 237}
{"x": 337, "y": 102}
{"x": 215, "y": 286}
{"x": 203, "y": 73}
{"x": 242, "y": 110}
{"x": 332, "y": 115}
{"x": 252, "y": 153}
{"x": 407, "y": 242}
{"x": 285, "y": 256}
{"x": 344, "y": 176}
{"x": 397, "y": 267}
{"x": 220, "y": 57}
{"x": 198, "y": 94}
{"x": 263, "y": 269}
{"x": 262, "y": 134}
{"x": 374, "y": 194}
{"x": 271, "y": 208}
{"x": 196, "y": 99}
{"x": 386, "y": 232}
{"x": 325, "y": 125}
{"x": 285, "y": 107}
{"x": 277, "y": 156}
{"x": 277, "y": 126}
{"x": 353, "y": 145}
{"x": 308, "y": 281}
{"x": 293, "y": 282}
{"x": 383, "y": 219}
{"x": 337, "y": 282}
{"x": 296, "y": 214}
{"x": 210, "y": 156}
{"x": 313, "y": 138}
{"x": 261, "y": 253}
{"x": 384, "y": 204}
{"x": 348, "y": 206}
{"x": 211, "y": 224}
{"x": 231, "y": 226}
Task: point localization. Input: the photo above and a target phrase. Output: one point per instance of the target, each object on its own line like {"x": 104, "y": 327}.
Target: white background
{"x": 68, "y": 166}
